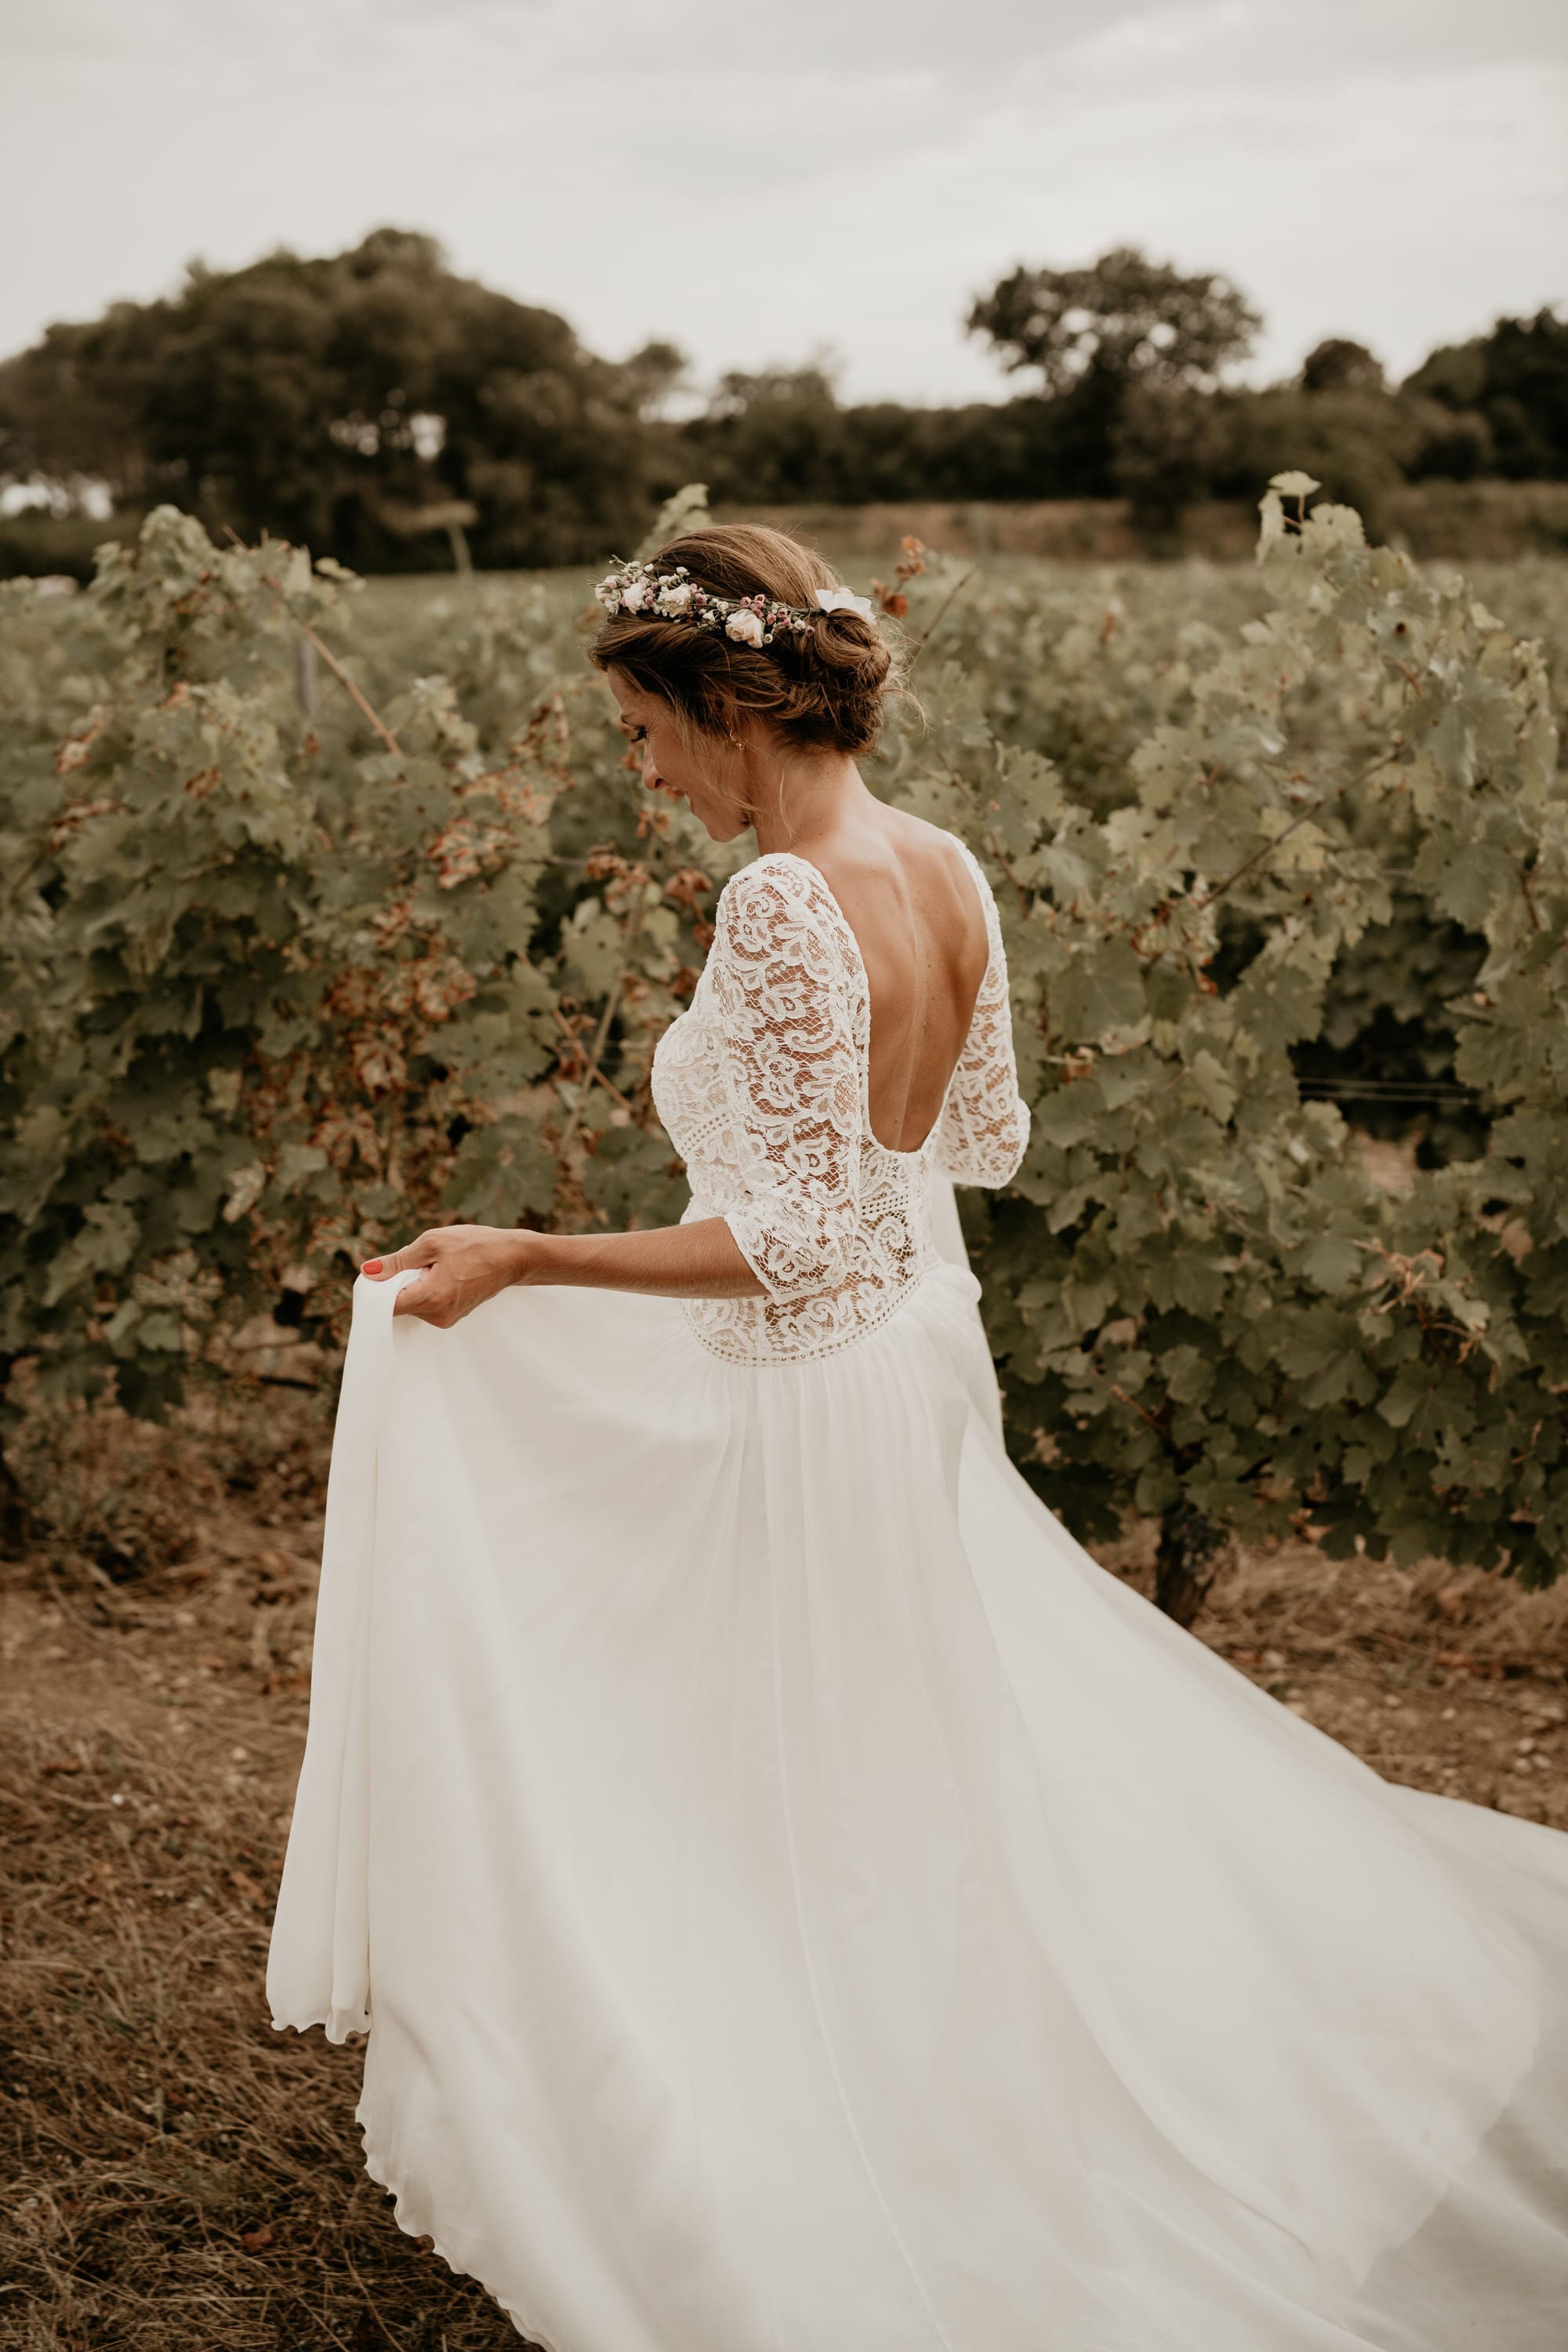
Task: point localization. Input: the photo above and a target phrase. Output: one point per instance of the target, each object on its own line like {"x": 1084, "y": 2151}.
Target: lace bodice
{"x": 762, "y": 1086}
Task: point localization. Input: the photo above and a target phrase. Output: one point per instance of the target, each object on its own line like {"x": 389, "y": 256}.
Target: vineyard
{"x": 335, "y": 909}
{"x": 311, "y": 941}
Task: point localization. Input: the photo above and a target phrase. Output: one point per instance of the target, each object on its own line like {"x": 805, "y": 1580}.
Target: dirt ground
{"x": 176, "y": 2177}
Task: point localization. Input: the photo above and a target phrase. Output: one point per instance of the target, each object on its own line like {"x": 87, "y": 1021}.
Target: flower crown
{"x": 748, "y": 620}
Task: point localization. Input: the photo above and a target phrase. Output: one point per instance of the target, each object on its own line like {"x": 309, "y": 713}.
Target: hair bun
{"x": 847, "y": 644}
{"x": 824, "y": 684}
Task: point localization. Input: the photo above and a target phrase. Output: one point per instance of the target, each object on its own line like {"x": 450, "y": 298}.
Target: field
{"x": 175, "y": 2176}
{"x": 1482, "y": 520}
{"x": 398, "y": 621}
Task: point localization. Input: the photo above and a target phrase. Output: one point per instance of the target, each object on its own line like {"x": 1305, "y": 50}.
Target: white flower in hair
{"x": 744, "y": 627}
{"x": 676, "y": 597}
{"x": 634, "y": 596}
{"x": 844, "y": 599}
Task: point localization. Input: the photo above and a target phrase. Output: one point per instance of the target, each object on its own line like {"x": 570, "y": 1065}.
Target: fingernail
{"x": 370, "y": 1265}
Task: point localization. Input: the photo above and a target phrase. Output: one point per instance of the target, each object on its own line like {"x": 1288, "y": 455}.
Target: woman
{"x": 803, "y": 1905}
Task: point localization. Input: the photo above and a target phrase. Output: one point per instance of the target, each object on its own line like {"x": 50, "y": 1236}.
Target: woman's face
{"x": 705, "y": 772}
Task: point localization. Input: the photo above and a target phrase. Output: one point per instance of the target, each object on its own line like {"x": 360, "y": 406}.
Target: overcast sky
{"x": 757, "y": 179}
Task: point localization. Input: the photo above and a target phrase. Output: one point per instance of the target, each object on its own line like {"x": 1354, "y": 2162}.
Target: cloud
{"x": 754, "y": 183}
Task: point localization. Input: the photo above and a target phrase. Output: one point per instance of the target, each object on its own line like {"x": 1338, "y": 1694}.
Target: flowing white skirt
{"x": 803, "y": 1905}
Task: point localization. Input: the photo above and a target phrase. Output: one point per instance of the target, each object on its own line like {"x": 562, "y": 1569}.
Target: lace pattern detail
{"x": 984, "y": 1129}
{"x": 793, "y": 1019}
{"x": 762, "y": 1086}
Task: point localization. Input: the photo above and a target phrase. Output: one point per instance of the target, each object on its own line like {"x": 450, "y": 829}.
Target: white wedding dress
{"x": 797, "y": 1901}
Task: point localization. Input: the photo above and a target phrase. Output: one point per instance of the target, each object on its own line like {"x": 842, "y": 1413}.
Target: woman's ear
{"x": 753, "y": 737}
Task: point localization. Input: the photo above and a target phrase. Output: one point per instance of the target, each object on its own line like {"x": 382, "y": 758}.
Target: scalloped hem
{"x": 338, "y": 2025}
{"x": 412, "y": 2226}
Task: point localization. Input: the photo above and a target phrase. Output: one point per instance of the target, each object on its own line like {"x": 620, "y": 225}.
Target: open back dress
{"x": 797, "y": 1900}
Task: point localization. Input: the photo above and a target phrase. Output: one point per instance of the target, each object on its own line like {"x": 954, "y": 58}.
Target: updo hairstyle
{"x": 822, "y": 685}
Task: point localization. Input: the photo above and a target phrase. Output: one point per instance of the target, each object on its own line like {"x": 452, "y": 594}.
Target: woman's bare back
{"x": 916, "y": 915}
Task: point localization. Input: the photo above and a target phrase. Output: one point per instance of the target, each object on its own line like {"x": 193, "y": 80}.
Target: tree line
{"x": 366, "y": 402}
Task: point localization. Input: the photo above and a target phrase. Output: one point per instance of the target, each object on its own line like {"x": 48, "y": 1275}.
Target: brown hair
{"x": 822, "y": 685}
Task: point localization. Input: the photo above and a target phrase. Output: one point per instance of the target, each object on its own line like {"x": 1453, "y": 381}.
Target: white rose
{"x": 634, "y": 598}
{"x": 844, "y": 599}
{"x": 676, "y": 599}
{"x": 745, "y": 628}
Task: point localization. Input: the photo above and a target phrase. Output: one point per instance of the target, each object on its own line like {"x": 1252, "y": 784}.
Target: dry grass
{"x": 180, "y": 2178}
{"x": 176, "y": 2175}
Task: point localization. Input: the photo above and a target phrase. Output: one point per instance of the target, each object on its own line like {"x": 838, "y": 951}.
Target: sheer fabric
{"x": 796, "y": 1898}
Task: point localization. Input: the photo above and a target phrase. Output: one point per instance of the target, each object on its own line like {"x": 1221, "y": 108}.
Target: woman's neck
{"x": 800, "y": 800}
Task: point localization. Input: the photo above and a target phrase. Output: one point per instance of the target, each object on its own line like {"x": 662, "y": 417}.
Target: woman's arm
{"x": 462, "y": 1265}
{"x": 984, "y": 1131}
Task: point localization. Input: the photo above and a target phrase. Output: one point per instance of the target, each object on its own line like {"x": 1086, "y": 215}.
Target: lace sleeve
{"x": 786, "y": 995}
{"x": 984, "y": 1127}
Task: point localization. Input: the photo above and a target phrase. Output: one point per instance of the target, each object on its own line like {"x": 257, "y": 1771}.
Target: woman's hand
{"x": 461, "y": 1267}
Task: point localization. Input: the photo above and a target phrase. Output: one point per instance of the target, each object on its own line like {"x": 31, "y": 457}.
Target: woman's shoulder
{"x": 776, "y": 879}
{"x": 937, "y": 841}
{"x": 781, "y": 895}
{"x": 919, "y": 845}
{"x": 948, "y": 864}
{"x": 770, "y": 868}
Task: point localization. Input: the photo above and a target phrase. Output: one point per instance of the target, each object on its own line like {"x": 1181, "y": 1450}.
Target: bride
{"x": 798, "y": 1902}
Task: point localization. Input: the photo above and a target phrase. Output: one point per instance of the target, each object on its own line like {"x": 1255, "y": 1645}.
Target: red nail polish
{"x": 370, "y": 1265}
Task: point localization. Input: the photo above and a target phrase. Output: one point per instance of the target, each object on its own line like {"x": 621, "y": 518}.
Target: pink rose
{"x": 744, "y": 627}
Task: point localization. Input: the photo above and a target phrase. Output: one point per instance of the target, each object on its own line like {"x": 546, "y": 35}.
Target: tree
{"x": 1170, "y": 444}
{"x": 771, "y": 435}
{"x": 331, "y": 399}
{"x": 1123, "y": 317}
{"x": 1094, "y": 334}
{"x": 1454, "y": 374}
{"x": 781, "y": 435}
{"x": 1516, "y": 381}
{"x": 1338, "y": 365}
{"x": 1361, "y": 444}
